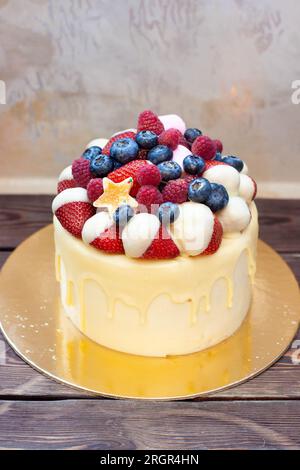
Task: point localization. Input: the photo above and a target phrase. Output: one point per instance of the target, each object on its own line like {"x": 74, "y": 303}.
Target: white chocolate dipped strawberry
{"x": 72, "y": 208}
{"x": 66, "y": 180}
{"x": 100, "y": 232}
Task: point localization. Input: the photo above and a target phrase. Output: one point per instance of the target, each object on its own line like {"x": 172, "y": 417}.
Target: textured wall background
{"x": 79, "y": 69}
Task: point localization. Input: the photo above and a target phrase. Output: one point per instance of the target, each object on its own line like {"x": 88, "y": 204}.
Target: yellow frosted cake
{"x": 155, "y": 236}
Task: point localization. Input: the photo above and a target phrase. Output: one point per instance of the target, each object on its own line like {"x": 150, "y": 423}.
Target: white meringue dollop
{"x": 226, "y": 175}
{"x": 193, "y": 229}
{"x": 139, "y": 233}
{"x": 236, "y": 216}
{"x": 173, "y": 121}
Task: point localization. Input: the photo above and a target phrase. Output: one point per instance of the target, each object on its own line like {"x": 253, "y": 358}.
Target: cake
{"x": 155, "y": 239}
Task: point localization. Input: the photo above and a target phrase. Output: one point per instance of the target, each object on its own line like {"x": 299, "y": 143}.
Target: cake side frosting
{"x": 173, "y": 306}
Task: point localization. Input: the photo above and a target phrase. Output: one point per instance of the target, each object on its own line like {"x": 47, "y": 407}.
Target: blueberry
{"x": 218, "y": 197}
{"x": 92, "y": 152}
{"x": 218, "y": 157}
{"x": 168, "y": 212}
{"x": 101, "y": 165}
{"x": 236, "y": 162}
{"x": 169, "y": 170}
{"x": 146, "y": 139}
{"x": 124, "y": 150}
{"x": 193, "y": 164}
{"x": 122, "y": 215}
{"x": 191, "y": 134}
{"x": 117, "y": 164}
{"x": 199, "y": 190}
{"x": 160, "y": 153}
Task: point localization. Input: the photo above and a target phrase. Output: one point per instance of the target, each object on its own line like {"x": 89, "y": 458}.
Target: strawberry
{"x": 109, "y": 241}
{"x": 255, "y": 188}
{"x": 125, "y": 171}
{"x": 210, "y": 163}
{"x": 162, "y": 246}
{"x": 149, "y": 121}
{"x": 106, "y": 149}
{"x": 65, "y": 184}
{"x": 216, "y": 238}
{"x": 73, "y": 216}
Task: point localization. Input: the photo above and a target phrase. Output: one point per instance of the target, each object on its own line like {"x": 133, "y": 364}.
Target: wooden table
{"x": 37, "y": 413}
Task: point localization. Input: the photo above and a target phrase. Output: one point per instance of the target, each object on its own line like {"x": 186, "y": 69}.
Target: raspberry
{"x": 81, "y": 171}
{"x": 176, "y": 191}
{"x": 184, "y": 142}
{"x": 122, "y": 135}
{"x": 189, "y": 178}
{"x": 149, "y": 195}
{"x": 216, "y": 238}
{"x": 94, "y": 189}
{"x": 125, "y": 171}
{"x": 65, "y": 184}
{"x": 170, "y": 138}
{"x": 219, "y": 145}
{"x": 149, "y": 174}
{"x": 204, "y": 147}
{"x": 148, "y": 121}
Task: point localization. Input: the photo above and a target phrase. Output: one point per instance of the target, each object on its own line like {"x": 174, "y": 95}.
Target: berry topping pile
{"x": 155, "y": 192}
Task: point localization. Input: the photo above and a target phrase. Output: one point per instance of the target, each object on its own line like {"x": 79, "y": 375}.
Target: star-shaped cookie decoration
{"x": 115, "y": 195}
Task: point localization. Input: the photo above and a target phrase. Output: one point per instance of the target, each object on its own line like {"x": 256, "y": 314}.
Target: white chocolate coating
{"x": 69, "y": 195}
{"x": 157, "y": 308}
{"x": 66, "y": 174}
{"x": 124, "y": 130}
{"x": 95, "y": 226}
{"x": 245, "y": 169}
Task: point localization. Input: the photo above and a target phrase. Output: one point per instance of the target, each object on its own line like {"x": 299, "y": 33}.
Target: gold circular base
{"x": 35, "y": 326}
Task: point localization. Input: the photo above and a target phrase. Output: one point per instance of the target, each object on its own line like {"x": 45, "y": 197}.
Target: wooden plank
{"x": 293, "y": 260}
{"x": 107, "y": 424}
{"x": 3, "y": 257}
{"x": 22, "y": 215}
{"x": 279, "y": 221}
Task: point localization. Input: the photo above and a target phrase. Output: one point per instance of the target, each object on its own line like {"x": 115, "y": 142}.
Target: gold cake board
{"x": 35, "y": 326}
